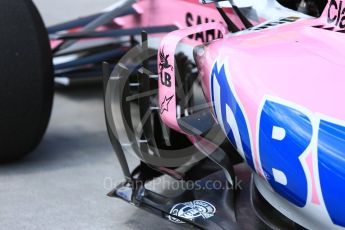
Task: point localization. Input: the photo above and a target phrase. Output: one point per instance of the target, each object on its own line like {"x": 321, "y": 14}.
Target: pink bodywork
{"x": 290, "y": 50}
{"x": 258, "y": 54}
{"x": 160, "y": 13}
{"x": 182, "y": 13}
{"x": 300, "y": 64}
{"x": 168, "y": 108}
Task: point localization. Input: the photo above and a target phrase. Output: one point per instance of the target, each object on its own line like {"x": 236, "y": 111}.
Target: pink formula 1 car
{"x": 268, "y": 95}
{"x": 74, "y": 51}
{"x": 32, "y": 56}
{"x": 28, "y": 63}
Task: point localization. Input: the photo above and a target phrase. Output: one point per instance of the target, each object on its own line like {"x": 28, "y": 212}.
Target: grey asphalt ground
{"x": 61, "y": 185}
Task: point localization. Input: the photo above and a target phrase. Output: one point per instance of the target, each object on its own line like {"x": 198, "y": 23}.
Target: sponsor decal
{"x": 205, "y": 36}
{"x": 336, "y": 13}
{"x": 191, "y": 211}
{"x": 165, "y": 77}
{"x": 165, "y": 104}
{"x": 230, "y": 113}
{"x": 287, "y": 136}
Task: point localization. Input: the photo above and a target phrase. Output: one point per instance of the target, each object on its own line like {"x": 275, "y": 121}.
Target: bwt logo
{"x": 286, "y": 135}
{"x": 336, "y": 13}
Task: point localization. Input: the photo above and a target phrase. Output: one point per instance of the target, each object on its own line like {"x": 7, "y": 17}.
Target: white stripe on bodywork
{"x": 217, "y": 105}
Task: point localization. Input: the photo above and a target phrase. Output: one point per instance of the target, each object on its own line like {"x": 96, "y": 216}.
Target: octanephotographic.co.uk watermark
{"x": 163, "y": 183}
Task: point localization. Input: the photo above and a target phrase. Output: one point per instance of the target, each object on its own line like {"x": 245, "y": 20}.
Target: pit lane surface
{"x": 63, "y": 184}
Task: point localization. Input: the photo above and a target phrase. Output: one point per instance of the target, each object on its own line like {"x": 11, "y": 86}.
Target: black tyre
{"x": 26, "y": 79}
